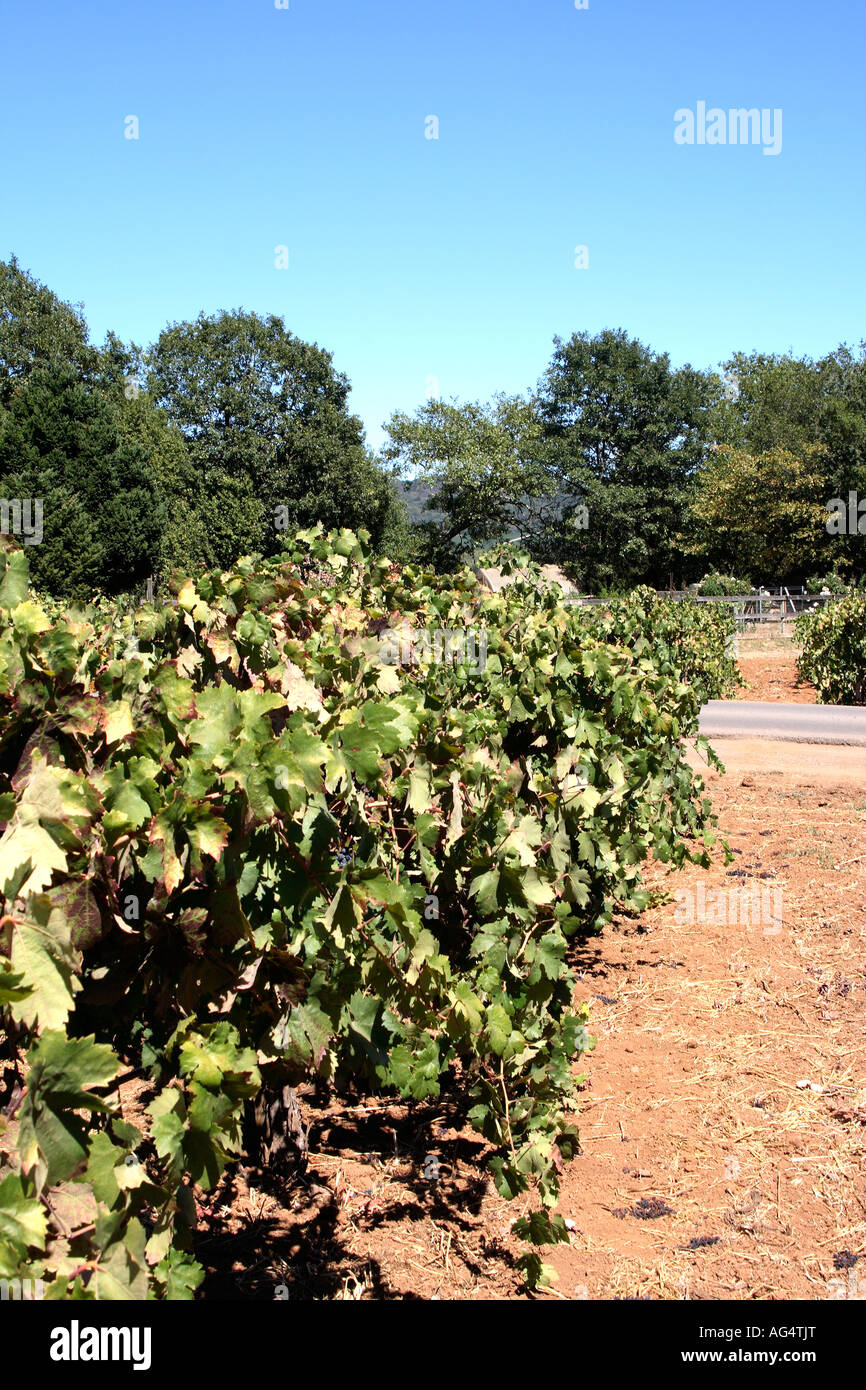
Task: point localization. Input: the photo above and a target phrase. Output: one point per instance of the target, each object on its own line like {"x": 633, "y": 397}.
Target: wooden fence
{"x": 763, "y": 606}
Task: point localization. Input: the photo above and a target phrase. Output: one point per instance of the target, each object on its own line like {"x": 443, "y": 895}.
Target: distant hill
{"x": 416, "y": 494}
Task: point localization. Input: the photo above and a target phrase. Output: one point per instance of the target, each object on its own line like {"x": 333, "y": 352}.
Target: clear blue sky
{"x": 453, "y": 258}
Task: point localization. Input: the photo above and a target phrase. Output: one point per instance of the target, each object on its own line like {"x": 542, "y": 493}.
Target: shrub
{"x": 833, "y": 581}
{"x": 723, "y": 586}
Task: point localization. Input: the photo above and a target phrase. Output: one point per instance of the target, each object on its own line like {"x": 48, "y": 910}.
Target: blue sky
{"x": 448, "y": 263}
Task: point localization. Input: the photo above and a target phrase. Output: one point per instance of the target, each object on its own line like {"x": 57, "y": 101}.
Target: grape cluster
{"x": 845, "y": 1260}
{"x": 646, "y": 1209}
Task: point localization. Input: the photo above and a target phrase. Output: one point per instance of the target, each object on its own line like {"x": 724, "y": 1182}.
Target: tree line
{"x": 229, "y": 432}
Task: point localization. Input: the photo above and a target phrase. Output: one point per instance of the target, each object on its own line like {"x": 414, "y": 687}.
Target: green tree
{"x": 842, "y": 420}
{"x": 789, "y": 402}
{"x": 62, "y": 445}
{"x": 758, "y": 514}
{"x": 479, "y": 468}
{"x": 625, "y": 432}
{"x": 36, "y": 329}
{"x": 766, "y": 401}
{"x": 184, "y": 540}
{"x": 268, "y": 429}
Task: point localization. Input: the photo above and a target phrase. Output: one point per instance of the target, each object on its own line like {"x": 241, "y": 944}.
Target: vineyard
{"x": 260, "y": 834}
{"x": 833, "y": 650}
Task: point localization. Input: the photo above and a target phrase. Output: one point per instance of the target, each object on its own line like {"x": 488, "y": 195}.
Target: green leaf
{"x": 468, "y": 1007}
{"x": 548, "y": 952}
{"x": 207, "y": 833}
{"x": 43, "y": 955}
{"x": 415, "y": 1074}
{"x": 542, "y": 1229}
{"x": 536, "y": 1273}
{"x": 100, "y": 1173}
{"x": 455, "y": 820}
{"x": 498, "y": 1028}
{"x": 128, "y": 809}
{"x": 12, "y": 985}
{"x": 523, "y": 840}
{"x": 23, "y": 1220}
{"x": 15, "y": 581}
{"x": 76, "y": 900}
{"x": 418, "y": 800}
{"x": 167, "y": 1132}
{"x": 304, "y": 1034}
{"x": 121, "y": 1274}
{"x": 485, "y": 888}
{"x": 361, "y": 748}
{"x": 52, "y": 1138}
{"x": 508, "y": 1182}
{"x": 363, "y": 1011}
{"x": 181, "y": 1275}
{"x": 28, "y": 843}
{"x": 211, "y": 1053}
{"x": 535, "y": 890}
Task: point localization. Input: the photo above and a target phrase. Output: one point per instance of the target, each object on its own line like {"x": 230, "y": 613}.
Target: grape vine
{"x": 242, "y": 850}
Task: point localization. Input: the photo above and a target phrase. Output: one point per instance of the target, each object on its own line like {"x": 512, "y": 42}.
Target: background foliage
{"x": 229, "y": 432}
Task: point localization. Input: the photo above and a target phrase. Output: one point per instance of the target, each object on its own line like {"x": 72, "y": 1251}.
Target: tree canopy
{"x": 64, "y": 446}
{"x": 266, "y": 421}
{"x": 230, "y": 433}
{"x": 481, "y": 466}
{"x": 759, "y": 515}
{"x": 36, "y": 329}
{"x": 627, "y": 432}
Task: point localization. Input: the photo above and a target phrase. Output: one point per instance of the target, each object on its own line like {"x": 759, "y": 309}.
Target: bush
{"x": 243, "y": 849}
{"x": 715, "y": 585}
{"x": 833, "y": 650}
{"x": 833, "y": 581}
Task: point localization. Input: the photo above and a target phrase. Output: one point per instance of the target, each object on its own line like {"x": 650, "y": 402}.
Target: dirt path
{"x": 769, "y": 668}
{"x": 728, "y": 1079}
{"x": 773, "y": 678}
{"x": 810, "y": 766}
